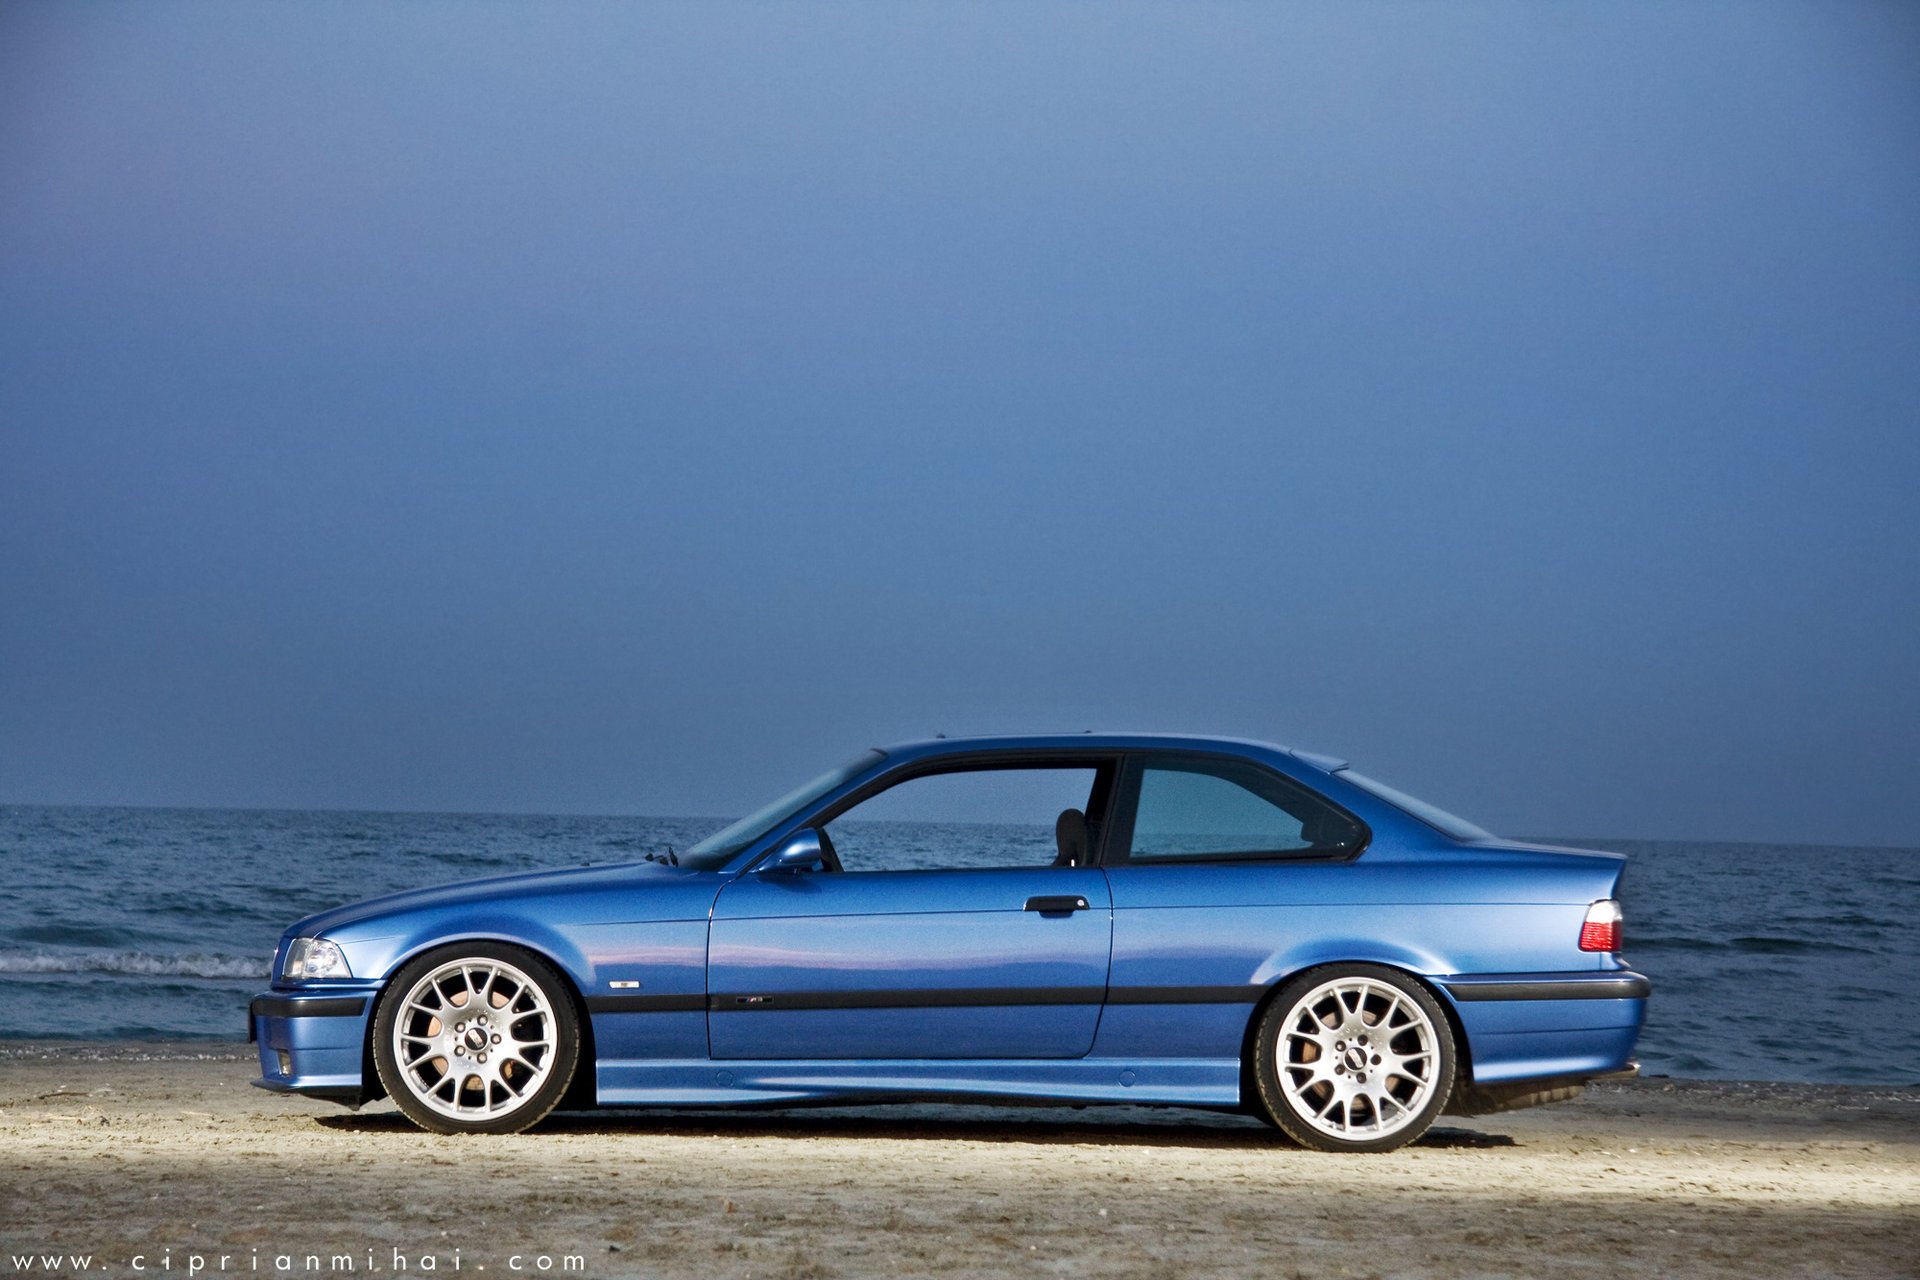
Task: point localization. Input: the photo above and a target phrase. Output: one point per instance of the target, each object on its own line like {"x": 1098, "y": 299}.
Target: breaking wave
{"x": 133, "y": 963}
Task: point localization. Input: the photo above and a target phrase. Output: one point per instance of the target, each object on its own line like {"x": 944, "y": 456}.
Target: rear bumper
{"x": 1549, "y": 1026}
{"x": 313, "y": 1042}
{"x": 1613, "y": 984}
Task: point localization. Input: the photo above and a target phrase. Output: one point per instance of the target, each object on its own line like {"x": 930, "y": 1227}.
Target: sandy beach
{"x": 161, "y": 1159}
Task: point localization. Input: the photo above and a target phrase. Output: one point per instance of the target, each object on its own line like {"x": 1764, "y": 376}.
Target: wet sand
{"x": 165, "y": 1154}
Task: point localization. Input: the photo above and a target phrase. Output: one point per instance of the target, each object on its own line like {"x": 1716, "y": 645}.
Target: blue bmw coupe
{"x": 1093, "y": 918}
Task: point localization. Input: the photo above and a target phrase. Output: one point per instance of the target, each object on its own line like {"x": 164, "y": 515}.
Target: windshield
{"x": 1438, "y": 818}
{"x": 717, "y": 849}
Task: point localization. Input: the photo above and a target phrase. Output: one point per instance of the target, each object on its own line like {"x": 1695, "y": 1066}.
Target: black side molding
{"x": 1618, "y": 985}
{"x": 1185, "y": 995}
{"x": 645, "y": 1004}
{"x": 947, "y": 998}
{"x": 1494, "y": 986}
{"x": 314, "y": 1007}
{"x": 980, "y": 997}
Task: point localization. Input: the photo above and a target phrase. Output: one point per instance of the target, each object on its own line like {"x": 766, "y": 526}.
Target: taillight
{"x": 1601, "y": 930}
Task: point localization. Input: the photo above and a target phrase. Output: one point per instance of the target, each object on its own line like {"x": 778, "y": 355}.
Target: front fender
{"x": 379, "y": 958}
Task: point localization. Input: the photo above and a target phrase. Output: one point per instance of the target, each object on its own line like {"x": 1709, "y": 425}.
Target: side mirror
{"x": 800, "y": 853}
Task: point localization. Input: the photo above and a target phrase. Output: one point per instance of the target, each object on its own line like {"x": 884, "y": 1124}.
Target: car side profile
{"x": 1093, "y": 918}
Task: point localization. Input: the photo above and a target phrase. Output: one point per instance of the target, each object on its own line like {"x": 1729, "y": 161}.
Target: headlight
{"x": 314, "y": 958}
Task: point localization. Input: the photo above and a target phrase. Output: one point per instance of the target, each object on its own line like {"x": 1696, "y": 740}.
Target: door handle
{"x": 1057, "y": 904}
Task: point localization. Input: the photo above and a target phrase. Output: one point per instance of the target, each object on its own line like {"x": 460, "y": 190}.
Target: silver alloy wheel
{"x": 1356, "y": 1058}
{"x": 474, "y": 1039}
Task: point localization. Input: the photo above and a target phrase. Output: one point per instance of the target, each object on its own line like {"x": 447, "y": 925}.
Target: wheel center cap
{"x": 1356, "y": 1059}
{"x": 476, "y": 1039}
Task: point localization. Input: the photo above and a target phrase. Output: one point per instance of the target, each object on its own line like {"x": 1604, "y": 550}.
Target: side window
{"x": 977, "y": 819}
{"x": 1220, "y": 812}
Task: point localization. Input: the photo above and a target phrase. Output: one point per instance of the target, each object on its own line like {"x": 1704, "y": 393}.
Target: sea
{"x": 1769, "y": 962}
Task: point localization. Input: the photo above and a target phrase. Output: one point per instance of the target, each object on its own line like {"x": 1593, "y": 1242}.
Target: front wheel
{"x": 1353, "y": 1057}
{"x": 476, "y": 1038}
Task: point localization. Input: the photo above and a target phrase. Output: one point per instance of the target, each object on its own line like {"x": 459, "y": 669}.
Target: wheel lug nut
{"x": 1376, "y": 1059}
{"x": 1339, "y": 1045}
{"x": 496, "y": 1040}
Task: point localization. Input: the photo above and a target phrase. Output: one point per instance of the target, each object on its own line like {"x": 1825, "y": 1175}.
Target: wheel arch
{"x": 1462, "y": 1048}
{"x": 581, "y": 1094}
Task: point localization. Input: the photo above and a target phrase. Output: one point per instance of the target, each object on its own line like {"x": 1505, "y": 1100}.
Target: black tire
{"x": 525, "y": 997}
{"x": 1364, "y": 1103}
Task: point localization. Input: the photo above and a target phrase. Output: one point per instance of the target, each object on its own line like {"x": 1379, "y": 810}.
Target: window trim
{"x": 1117, "y": 845}
{"x": 1111, "y": 762}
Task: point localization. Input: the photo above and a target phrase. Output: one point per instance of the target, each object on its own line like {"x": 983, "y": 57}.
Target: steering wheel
{"x": 829, "y": 860}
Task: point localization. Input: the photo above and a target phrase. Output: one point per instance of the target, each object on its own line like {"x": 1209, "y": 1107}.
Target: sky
{"x": 639, "y": 409}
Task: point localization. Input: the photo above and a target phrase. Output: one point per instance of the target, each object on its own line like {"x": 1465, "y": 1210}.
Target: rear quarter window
{"x": 1220, "y": 811}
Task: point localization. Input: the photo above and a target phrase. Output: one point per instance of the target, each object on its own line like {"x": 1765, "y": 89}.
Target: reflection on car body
{"x": 1090, "y": 918}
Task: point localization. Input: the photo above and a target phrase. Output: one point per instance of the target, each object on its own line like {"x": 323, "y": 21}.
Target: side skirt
{"x": 1199, "y": 1082}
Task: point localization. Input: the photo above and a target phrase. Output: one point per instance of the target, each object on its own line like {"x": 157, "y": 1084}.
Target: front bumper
{"x": 313, "y": 1042}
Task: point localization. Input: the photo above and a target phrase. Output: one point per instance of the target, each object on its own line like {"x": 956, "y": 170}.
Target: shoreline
{"x": 125, "y": 1149}
{"x": 224, "y": 1048}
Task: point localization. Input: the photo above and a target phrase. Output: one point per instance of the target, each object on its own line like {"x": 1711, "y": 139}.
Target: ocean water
{"x": 1770, "y": 962}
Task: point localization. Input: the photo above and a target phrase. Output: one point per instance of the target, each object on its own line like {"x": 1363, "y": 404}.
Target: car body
{"x": 750, "y": 974}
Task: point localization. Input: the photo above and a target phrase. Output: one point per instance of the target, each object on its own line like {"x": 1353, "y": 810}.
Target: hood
{"x": 629, "y": 891}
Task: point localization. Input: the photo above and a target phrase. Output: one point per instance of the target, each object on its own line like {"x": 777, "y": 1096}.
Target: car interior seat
{"x": 1070, "y": 837}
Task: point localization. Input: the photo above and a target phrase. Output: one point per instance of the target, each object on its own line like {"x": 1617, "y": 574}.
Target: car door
{"x": 961, "y": 959}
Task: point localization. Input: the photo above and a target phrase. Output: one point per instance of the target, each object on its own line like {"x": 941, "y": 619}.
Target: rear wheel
{"x": 1353, "y": 1057}
{"x": 476, "y": 1038}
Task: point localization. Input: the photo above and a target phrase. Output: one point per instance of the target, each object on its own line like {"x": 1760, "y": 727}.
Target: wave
{"x": 123, "y": 1031}
{"x": 1762, "y": 944}
{"x": 96, "y": 936}
{"x": 1767, "y": 945}
{"x": 141, "y": 964}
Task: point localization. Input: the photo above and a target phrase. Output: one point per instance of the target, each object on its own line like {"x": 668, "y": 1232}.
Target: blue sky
{"x": 635, "y": 409}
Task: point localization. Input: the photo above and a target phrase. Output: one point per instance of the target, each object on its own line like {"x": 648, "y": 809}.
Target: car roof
{"x": 1092, "y": 741}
